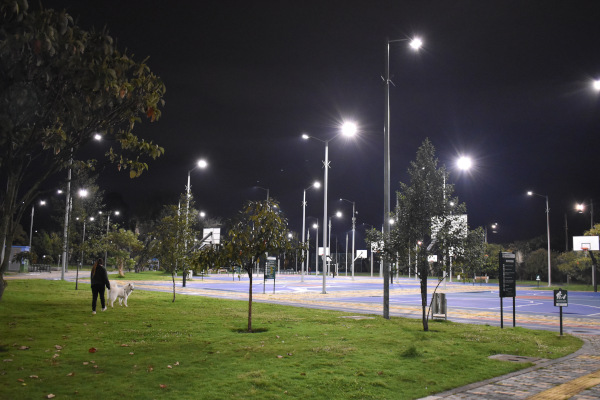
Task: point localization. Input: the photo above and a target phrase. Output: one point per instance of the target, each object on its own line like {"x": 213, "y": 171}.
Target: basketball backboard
{"x": 581, "y": 243}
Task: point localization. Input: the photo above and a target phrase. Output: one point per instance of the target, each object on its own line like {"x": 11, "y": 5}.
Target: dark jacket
{"x": 100, "y": 278}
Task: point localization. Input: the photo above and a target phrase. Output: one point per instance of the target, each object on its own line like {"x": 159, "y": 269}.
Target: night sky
{"x": 506, "y": 82}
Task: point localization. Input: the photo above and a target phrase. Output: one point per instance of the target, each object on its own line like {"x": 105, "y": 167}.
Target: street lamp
{"x": 353, "y": 231}
{"x": 414, "y": 44}
{"x": 579, "y": 207}
{"x": 315, "y": 185}
{"x": 81, "y": 258}
{"x": 339, "y": 215}
{"x": 42, "y": 203}
{"x": 199, "y": 164}
{"x": 107, "y": 229}
{"x": 348, "y": 129}
{"x": 530, "y": 193}
{"x": 596, "y": 85}
{"x": 494, "y": 226}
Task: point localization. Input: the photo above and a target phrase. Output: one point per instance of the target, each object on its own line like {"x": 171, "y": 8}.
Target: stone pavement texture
{"x": 574, "y": 377}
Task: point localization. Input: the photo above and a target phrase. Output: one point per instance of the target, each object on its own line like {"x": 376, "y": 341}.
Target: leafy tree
{"x": 426, "y": 218}
{"x": 471, "y": 260}
{"x": 258, "y": 229}
{"x": 595, "y": 231}
{"x": 169, "y": 244}
{"x": 575, "y": 265}
{"x": 491, "y": 261}
{"x": 537, "y": 264}
{"x": 121, "y": 245}
{"x": 59, "y": 84}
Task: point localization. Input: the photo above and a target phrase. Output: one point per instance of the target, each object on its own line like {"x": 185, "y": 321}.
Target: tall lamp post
{"x": 315, "y": 185}
{"x": 107, "y": 230}
{"x": 415, "y": 44}
{"x": 530, "y": 193}
{"x": 339, "y": 215}
{"x": 81, "y": 258}
{"x": 353, "y": 231}
{"x": 42, "y": 203}
{"x": 188, "y": 192}
{"x": 348, "y": 129}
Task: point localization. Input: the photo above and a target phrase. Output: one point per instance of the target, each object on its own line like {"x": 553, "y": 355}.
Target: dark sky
{"x": 507, "y": 82}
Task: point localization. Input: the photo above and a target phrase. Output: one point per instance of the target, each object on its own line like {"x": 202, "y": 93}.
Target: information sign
{"x": 270, "y": 268}
{"x": 508, "y": 274}
{"x": 561, "y": 298}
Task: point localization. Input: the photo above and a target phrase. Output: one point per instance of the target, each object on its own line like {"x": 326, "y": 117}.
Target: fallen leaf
{"x": 163, "y": 386}
{"x": 21, "y": 380}
{"x": 168, "y": 366}
{"x": 124, "y": 345}
{"x": 131, "y": 353}
{"x": 85, "y": 363}
{"x": 279, "y": 356}
{"x": 50, "y": 396}
{"x": 277, "y": 336}
{"x": 33, "y": 376}
{"x": 71, "y": 374}
{"x": 56, "y": 355}
{"x": 303, "y": 373}
{"x": 95, "y": 366}
{"x": 289, "y": 354}
{"x": 177, "y": 363}
{"x": 24, "y": 348}
{"x": 92, "y": 350}
{"x": 380, "y": 373}
{"x": 58, "y": 347}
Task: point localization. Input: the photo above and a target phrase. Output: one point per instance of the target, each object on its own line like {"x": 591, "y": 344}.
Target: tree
{"x": 258, "y": 229}
{"x": 60, "y": 84}
{"x": 169, "y": 244}
{"x": 426, "y": 216}
{"x": 122, "y": 244}
{"x": 472, "y": 259}
{"x": 575, "y": 265}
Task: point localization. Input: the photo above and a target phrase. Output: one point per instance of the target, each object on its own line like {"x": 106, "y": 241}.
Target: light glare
{"x": 416, "y": 43}
{"x": 202, "y": 163}
{"x": 596, "y": 85}
{"x": 349, "y": 129}
{"x": 464, "y": 163}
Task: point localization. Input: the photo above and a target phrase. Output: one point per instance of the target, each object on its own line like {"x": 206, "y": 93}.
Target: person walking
{"x": 99, "y": 279}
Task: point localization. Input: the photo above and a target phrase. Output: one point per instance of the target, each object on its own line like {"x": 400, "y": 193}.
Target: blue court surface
{"x": 465, "y": 302}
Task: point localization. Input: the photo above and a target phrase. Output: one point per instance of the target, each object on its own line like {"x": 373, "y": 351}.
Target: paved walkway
{"x": 575, "y": 377}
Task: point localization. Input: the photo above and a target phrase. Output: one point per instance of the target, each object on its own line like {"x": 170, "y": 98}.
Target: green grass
{"x": 197, "y": 348}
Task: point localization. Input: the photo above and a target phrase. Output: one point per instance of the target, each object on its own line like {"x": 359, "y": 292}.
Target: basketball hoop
{"x": 585, "y": 250}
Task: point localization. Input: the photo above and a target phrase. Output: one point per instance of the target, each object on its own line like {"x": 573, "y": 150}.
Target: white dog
{"x": 121, "y": 293}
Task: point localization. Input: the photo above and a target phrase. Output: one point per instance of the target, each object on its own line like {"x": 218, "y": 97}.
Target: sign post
{"x": 507, "y": 272}
{"x": 561, "y": 299}
{"x": 270, "y": 268}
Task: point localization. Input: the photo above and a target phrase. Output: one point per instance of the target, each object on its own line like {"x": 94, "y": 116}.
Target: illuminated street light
{"x": 596, "y": 85}
{"x": 464, "y": 163}
{"x": 42, "y": 203}
{"x": 415, "y": 44}
{"x": 107, "y": 229}
{"x": 202, "y": 164}
{"x": 315, "y": 185}
{"x": 530, "y": 193}
{"x": 348, "y": 129}
{"x": 353, "y": 233}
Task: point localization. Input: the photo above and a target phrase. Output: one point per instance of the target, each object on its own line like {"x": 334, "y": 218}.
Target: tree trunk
{"x": 173, "y": 278}
{"x": 250, "y": 301}
{"x": 423, "y": 272}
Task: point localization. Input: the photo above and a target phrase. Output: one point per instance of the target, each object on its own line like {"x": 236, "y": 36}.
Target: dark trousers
{"x": 97, "y": 290}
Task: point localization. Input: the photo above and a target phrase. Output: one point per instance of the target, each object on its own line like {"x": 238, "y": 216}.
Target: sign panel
{"x": 561, "y": 298}
{"x": 361, "y": 254}
{"x": 508, "y": 274}
{"x": 270, "y": 268}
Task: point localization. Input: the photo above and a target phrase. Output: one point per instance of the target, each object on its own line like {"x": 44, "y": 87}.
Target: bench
{"x": 481, "y": 279}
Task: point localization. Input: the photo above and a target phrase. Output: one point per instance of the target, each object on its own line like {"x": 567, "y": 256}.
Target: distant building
{"x": 17, "y": 266}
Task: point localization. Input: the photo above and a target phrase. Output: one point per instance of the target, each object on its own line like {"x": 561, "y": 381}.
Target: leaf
{"x": 24, "y": 348}
{"x": 163, "y": 386}
{"x": 50, "y": 396}
{"x": 92, "y": 350}
{"x": 71, "y": 374}
{"x": 58, "y": 347}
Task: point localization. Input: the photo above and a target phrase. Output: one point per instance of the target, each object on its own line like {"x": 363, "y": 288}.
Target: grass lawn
{"x": 196, "y": 348}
